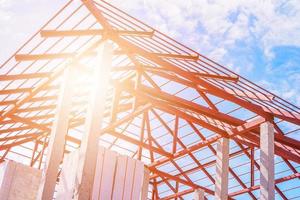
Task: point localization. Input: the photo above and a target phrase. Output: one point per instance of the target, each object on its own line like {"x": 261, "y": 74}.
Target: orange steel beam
{"x": 12, "y": 91}
{"x": 280, "y": 180}
{"x": 7, "y": 102}
{"x": 205, "y": 82}
{"x": 29, "y": 57}
{"x": 164, "y": 55}
{"x": 23, "y": 76}
{"x": 279, "y": 150}
{"x": 215, "y": 76}
{"x": 91, "y": 32}
{"x": 44, "y": 127}
{"x": 188, "y": 191}
{"x": 48, "y": 56}
{"x": 184, "y": 152}
{"x": 177, "y": 140}
{"x": 41, "y": 87}
{"x": 24, "y": 90}
{"x": 251, "y": 95}
{"x": 8, "y": 146}
{"x": 244, "y": 127}
{"x": 211, "y": 88}
{"x": 139, "y": 143}
{"x": 128, "y": 117}
{"x": 198, "y": 74}
{"x": 187, "y": 183}
{"x": 180, "y": 102}
{"x": 205, "y": 165}
{"x": 21, "y": 128}
{"x": 214, "y": 152}
{"x": 266, "y": 113}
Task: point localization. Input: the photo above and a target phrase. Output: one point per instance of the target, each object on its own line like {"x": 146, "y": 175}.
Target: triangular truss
{"x": 167, "y": 105}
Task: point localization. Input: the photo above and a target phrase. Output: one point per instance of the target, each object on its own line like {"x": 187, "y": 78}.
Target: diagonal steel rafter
{"x": 145, "y": 62}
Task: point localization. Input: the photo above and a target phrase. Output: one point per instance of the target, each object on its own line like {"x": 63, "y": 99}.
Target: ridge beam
{"x": 92, "y": 32}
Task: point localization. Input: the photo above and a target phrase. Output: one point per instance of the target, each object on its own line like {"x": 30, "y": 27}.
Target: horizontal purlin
{"x": 92, "y": 32}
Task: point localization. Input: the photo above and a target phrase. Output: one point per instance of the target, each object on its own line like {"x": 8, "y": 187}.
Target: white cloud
{"x": 20, "y": 19}
{"x": 214, "y": 27}
{"x": 210, "y": 27}
{"x": 275, "y": 22}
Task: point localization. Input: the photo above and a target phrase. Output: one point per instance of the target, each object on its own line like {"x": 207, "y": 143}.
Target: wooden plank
{"x": 98, "y": 173}
{"x": 119, "y": 178}
{"x": 145, "y": 186}
{"x": 108, "y": 172}
{"x": 137, "y": 180}
{"x": 130, "y": 168}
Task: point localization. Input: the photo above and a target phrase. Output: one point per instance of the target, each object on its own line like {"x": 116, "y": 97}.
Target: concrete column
{"x": 222, "y": 168}
{"x": 59, "y": 130}
{"x": 89, "y": 144}
{"x": 267, "y": 184}
{"x": 199, "y": 194}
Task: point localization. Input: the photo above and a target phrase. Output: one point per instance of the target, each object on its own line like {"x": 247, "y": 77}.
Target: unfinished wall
{"x": 119, "y": 177}
{"x": 116, "y": 177}
{"x": 18, "y": 182}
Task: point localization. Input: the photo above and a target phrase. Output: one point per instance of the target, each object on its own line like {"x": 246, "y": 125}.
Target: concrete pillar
{"x": 222, "y": 168}
{"x": 199, "y": 194}
{"x": 267, "y": 184}
{"x": 89, "y": 144}
{"x": 59, "y": 130}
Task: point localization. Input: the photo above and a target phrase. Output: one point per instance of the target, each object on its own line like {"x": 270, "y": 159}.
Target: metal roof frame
{"x": 167, "y": 105}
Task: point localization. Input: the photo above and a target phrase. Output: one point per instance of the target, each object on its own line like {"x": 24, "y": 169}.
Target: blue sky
{"x": 258, "y": 39}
